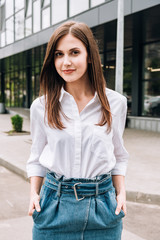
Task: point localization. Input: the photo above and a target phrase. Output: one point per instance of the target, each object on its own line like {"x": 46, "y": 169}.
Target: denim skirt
{"x": 77, "y": 209}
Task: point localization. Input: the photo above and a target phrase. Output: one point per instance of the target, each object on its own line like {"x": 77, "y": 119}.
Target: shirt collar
{"x": 63, "y": 92}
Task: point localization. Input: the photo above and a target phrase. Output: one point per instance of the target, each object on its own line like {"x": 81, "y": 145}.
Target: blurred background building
{"x": 26, "y": 26}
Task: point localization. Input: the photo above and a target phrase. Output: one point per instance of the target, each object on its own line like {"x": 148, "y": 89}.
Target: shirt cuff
{"x": 36, "y": 170}
{"x": 119, "y": 169}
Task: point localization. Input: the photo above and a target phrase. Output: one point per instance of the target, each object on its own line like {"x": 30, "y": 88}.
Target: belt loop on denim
{"x": 96, "y": 189}
{"x": 59, "y": 189}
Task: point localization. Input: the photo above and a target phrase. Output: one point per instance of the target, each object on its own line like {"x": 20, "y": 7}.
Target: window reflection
{"x": 109, "y": 69}
{"x": 96, "y": 2}
{"x": 9, "y": 8}
{"x": 151, "y": 100}
{"x": 19, "y": 25}
{"x": 78, "y": 6}
{"x": 2, "y": 2}
{"x": 59, "y": 10}
{"x": 28, "y": 27}
{"x": 2, "y": 39}
{"x": 46, "y": 17}
{"x": 151, "y": 80}
{"x": 9, "y": 31}
{"x": 46, "y": 2}
{"x": 19, "y": 4}
{"x": 29, "y": 8}
{"x": 36, "y": 16}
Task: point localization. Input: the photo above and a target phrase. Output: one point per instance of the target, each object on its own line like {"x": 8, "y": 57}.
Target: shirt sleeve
{"x": 39, "y": 140}
{"x": 120, "y": 152}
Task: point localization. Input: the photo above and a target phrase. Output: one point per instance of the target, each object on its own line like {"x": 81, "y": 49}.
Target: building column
{"x": 120, "y": 48}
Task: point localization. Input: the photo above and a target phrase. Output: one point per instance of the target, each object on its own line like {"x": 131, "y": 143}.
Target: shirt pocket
{"x": 101, "y": 142}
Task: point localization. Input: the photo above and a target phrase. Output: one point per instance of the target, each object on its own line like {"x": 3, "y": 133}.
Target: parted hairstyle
{"x": 51, "y": 82}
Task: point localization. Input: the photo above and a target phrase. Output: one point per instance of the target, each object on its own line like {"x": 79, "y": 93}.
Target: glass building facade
{"x": 19, "y": 73}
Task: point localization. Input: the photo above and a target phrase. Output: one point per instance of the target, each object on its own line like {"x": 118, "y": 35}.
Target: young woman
{"x": 76, "y": 128}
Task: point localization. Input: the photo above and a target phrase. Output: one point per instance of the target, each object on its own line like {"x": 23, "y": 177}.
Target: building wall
{"x": 21, "y": 61}
{"x": 93, "y": 16}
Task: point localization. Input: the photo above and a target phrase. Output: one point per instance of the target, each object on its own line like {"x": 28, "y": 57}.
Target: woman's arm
{"x": 119, "y": 184}
{"x": 36, "y": 183}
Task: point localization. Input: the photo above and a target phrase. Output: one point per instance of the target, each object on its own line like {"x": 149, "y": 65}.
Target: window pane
{"x": 46, "y": 2}
{"x": 29, "y": 8}
{"x": 59, "y": 10}
{"x": 110, "y": 69}
{"x": 36, "y": 16}
{"x": 9, "y": 8}
{"x": 46, "y": 18}
{"x": 151, "y": 100}
{"x": 7, "y": 90}
{"x": 19, "y": 25}
{"x": 2, "y": 2}
{"x": 78, "y": 6}
{"x": 151, "y": 80}
{"x": 151, "y": 67}
{"x": 2, "y": 39}
{"x": 19, "y": 4}
{"x": 9, "y": 31}
{"x": 96, "y": 2}
{"x": 28, "y": 27}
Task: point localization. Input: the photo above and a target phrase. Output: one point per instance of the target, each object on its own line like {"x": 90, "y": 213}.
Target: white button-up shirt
{"x": 82, "y": 149}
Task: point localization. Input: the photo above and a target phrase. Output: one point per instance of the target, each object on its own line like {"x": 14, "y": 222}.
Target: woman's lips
{"x": 68, "y": 71}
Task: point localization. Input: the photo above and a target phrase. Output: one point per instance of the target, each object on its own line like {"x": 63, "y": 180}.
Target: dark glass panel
{"x": 151, "y": 80}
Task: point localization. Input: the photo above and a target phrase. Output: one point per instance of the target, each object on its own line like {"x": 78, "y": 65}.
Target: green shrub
{"x": 17, "y": 123}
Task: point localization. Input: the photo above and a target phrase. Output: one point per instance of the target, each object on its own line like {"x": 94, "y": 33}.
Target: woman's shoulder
{"x": 38, "y": 104}
{"x": 116, "y": 100}
{"x": 114, "y": 96}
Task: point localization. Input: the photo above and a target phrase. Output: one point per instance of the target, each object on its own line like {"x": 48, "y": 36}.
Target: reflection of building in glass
{"x": 26, "y": 26}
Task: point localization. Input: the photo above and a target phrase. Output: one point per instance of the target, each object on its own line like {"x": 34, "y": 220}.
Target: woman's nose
{"x": 66, "y": 60}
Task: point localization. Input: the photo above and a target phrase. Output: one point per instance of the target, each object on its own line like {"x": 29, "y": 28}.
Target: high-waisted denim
{"x": 77, "y": 209}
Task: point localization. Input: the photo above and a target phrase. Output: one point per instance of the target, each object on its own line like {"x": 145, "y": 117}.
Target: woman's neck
{"x": 79, "y": 89}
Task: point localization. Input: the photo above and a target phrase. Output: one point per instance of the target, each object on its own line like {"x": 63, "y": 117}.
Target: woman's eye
{"x": 75, "y": 52}
{"x": 58, "y": 54}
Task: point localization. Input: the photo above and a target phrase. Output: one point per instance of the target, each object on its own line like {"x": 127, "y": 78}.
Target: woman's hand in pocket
{"x": 121, "y": 203}
{"x": 36, "y": 183}
{"x": 34, "y": 204}
{"x": 119, "y": 184}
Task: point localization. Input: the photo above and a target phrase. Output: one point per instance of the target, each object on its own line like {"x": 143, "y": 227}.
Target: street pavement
{"x": 142, "y": 179}
{"x": 141, "y": 222}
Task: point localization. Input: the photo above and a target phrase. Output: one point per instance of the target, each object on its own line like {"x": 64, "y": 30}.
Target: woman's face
{"x": 71, "y": 59}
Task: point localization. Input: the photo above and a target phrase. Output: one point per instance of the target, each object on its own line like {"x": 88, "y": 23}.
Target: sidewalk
{"x": 142, "y": 179}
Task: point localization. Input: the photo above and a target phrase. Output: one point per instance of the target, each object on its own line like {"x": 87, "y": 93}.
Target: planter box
{"x": 2, "y": 108}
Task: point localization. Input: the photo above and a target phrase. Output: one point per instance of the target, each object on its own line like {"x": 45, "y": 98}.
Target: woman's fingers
{"x": 124, "y": 209}
{"x": 121, "y": 204}
{"x": 37, "y": 206}
{"x": 118, "y": 209}
{"x": 34, "y": 204}
{"x": 31, "y": 209}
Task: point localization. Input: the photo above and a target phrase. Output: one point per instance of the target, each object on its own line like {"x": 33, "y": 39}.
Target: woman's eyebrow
{"x": 75, "y": 48}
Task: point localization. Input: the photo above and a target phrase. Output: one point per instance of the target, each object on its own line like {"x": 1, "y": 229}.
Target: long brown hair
{"x": 51, "y": 83}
